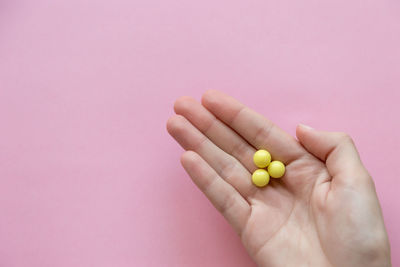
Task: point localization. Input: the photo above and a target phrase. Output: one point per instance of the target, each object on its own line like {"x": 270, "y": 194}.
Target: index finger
{"x": 252, "y": 126}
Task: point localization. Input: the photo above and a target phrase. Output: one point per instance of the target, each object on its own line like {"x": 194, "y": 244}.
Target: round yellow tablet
{"x": 260, "y": 177}
{"x": 276, "y": 169}
{"x": 262, "y": 158}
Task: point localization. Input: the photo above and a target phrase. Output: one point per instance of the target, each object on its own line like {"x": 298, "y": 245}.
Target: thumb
{"x": 336, "y": 149}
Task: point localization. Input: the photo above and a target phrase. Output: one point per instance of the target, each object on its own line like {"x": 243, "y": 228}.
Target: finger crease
{"x": 226, "y": 170}
{"x": 240, "y": 148}
{"x": 263, "y": 134}
{"x": 211, "y": 124}
{"x": 234, "y": 118}
{"x": 228, "y": 203}
{"x": 207, "y": 187}
{"x": 199, "y": 144}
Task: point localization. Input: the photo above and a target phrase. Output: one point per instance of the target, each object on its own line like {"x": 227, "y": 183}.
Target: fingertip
{"x": 182, "y": 103}
{"x": 174, "y": 123}
{"x": 302, "y": 129}
{"x": 305, "y": 127}
{"x": 168, "y": 124}
{"x": 210, "y": 92}
{"x": 188, "y": 156}
{"x": 209, "y": 95}
{"x": 190, "y": 160}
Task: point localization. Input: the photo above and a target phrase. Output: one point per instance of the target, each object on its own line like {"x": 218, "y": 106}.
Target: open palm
{"x": 323, "y": 212}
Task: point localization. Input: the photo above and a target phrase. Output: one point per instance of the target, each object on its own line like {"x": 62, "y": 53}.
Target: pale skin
{"x": 323, "y": 212}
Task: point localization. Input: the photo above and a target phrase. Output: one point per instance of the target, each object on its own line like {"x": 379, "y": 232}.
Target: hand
{"x": 323, "y": 212}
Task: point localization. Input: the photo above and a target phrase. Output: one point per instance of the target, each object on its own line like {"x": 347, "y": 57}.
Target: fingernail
{"x": 306, "y": 126}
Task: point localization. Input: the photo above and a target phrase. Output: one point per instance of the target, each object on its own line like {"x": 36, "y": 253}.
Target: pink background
{"x": 88, "y": 173}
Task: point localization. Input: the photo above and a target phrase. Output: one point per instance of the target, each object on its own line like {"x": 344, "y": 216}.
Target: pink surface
{"x": 88, "y": 173}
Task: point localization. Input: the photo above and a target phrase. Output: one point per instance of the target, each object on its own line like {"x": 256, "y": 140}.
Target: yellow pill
{"x": 262, "y": 158}
{"x": 276, "y": 169}
{"x": 260, "y": 177}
